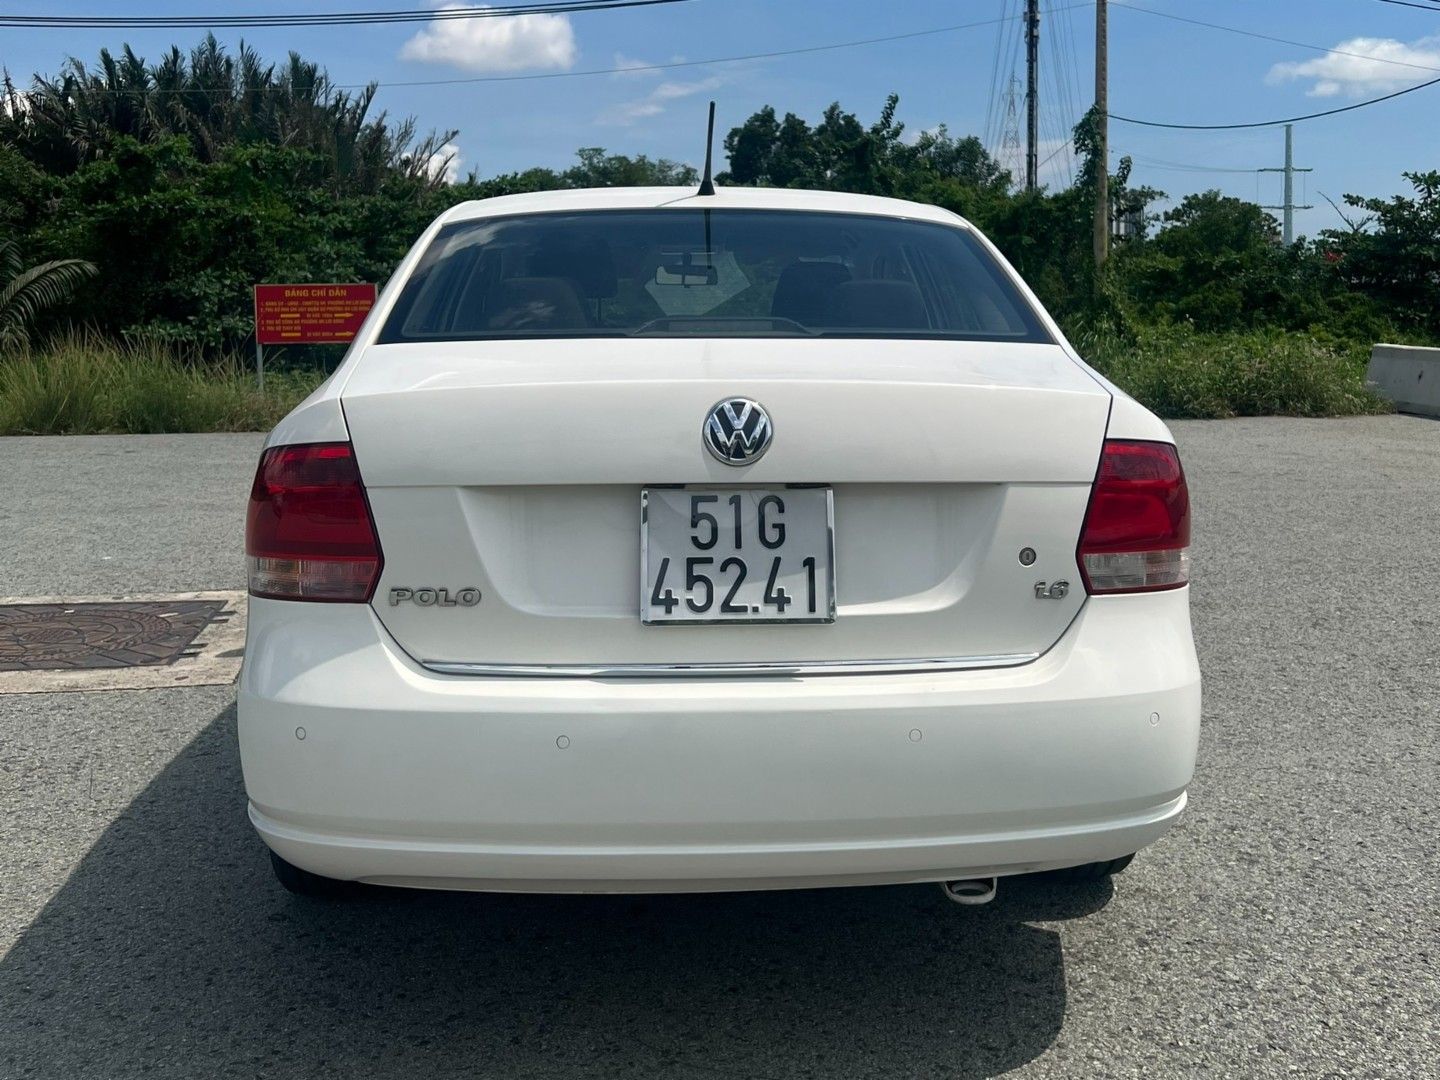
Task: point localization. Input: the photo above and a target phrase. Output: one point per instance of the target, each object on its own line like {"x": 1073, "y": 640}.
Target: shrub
{"x": 85, "y": 384}
{"x": 81, "y": 384}
{"x": 1182, "y": 373}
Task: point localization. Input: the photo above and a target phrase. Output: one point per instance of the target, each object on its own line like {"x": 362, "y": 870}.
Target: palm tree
{"x": 26, "y": 293}
{"x": 214, "y": 99}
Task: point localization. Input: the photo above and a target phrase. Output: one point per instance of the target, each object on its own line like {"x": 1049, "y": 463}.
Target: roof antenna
{"x": 707, "y": 186}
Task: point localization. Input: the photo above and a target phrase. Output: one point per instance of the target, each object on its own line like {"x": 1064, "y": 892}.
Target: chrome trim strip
{"x": 740, "y": 670}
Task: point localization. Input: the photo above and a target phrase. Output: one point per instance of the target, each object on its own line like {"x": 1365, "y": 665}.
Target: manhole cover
{"x": 51, "y": 637}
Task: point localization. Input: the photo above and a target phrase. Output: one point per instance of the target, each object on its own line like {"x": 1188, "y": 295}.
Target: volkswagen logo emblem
{"x": 737, "y": 431}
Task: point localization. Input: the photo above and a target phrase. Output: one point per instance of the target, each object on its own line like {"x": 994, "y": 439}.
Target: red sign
{"x": 310, "y": 314}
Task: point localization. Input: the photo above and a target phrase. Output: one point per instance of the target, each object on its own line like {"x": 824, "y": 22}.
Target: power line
{"x": 1055, "y": 153}
{"x": 1063, "y": 78}
{"x": 992, "y": 107}
{"x": 350, "y": 18}
{"x": 632, "y": 68}
{"x": 1275, "y": 123}
{"x": 1180, "y": 166}
{"x": 1001, "y": 133}
{"x": 1406, "y": 3}
{"x": 1278, "y": 40}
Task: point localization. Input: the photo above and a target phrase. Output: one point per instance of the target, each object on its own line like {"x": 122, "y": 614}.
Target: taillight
{"x": 308, "y": 533}
{"x": 1137, "y": 530}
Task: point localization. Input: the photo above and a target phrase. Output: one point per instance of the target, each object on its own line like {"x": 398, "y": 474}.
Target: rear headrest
{"x": 585, "y": 260}
{"x": 535, "y": 303}
{"x": 878, "y": 305}
{"x": 803, "y": 291}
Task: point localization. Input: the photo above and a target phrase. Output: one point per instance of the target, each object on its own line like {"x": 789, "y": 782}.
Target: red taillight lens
{"x": 1137, "y": 530}
{"x": 308, "y": 533}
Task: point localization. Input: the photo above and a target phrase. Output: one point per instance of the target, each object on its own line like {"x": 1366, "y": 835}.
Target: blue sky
{"x": 1161, "y": 69}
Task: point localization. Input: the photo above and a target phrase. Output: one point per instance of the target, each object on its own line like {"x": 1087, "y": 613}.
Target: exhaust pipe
{"x": 970, "y": 890}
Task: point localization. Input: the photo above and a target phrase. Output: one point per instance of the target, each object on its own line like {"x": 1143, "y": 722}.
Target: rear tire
{"x": 1088, "y": 872}
{"x": 304, "y": 883}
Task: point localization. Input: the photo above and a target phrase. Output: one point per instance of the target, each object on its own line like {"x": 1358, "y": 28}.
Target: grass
{"x": 1181, "y": 374}
{"x": 81, "y": 384}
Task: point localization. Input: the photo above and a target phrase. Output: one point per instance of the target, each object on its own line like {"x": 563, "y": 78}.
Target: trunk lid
{"x": 516, "y": 468}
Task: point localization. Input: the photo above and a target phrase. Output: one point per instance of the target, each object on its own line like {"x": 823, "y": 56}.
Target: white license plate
{"x": 757, "y": 555}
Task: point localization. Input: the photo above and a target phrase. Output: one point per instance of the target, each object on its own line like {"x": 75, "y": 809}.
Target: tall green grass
{"x": 84, "y": 384}
{"x": 1180, "y": 373}
{"x": 81, "y": 384}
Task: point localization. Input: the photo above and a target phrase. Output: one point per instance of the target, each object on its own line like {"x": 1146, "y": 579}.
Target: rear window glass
{"x": 707, "y": 273}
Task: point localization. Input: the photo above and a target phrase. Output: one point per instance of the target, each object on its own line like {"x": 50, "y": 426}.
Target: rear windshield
{"x": 707, "y": 273}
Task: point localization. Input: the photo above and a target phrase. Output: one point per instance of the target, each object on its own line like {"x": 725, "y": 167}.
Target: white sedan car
{"x": 655, "y": 541}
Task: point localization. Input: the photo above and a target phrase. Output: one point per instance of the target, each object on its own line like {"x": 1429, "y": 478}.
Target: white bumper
{"x": 359, "y": 764}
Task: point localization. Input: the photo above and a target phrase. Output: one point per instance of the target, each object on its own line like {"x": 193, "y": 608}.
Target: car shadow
{"x": 172, "y": 952}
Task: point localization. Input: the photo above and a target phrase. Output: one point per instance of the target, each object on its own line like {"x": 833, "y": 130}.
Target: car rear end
{"x": 766, "y": 540}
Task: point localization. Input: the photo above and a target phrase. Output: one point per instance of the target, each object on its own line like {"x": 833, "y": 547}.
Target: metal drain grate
{"x": 91, "y": 636}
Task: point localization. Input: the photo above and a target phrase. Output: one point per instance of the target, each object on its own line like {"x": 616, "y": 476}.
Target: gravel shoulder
{"x": 103, "y": 514}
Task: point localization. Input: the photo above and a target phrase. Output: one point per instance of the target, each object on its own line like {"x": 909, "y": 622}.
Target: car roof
{"x": 730, "y": 198}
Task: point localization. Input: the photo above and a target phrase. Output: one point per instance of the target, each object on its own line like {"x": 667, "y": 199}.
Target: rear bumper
{"x": 407, "y": 777}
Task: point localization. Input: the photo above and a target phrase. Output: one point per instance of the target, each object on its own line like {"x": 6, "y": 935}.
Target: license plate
{"x": 745, "y": 555}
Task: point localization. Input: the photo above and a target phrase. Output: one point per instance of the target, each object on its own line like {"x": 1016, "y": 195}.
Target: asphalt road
{"x": 1290, "y": 926}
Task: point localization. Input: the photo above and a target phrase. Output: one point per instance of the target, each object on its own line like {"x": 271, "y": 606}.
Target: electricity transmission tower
{"x": 1289, "y": 205}
{"x": 1011, "y": 156}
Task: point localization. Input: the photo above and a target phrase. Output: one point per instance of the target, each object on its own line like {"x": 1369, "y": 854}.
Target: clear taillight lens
{"x": 308, "y": 532}
{"x": 1137, "y": 529}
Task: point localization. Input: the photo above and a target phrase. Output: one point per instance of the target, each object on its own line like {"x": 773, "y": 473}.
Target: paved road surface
{"x": 1290, "y": 925}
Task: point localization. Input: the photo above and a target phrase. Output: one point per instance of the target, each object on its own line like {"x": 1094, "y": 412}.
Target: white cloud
{"x": 1368, "y": 66}
{"x": 655, "y": 102}
{"x": 445, "y": 163}
{"x": 516, "y": 43}
{"x": 630, "y": 67}
{"x": 627, "y": 67}
{"x": 911, "y": 135}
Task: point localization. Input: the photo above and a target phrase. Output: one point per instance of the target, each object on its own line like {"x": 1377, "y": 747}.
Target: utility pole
{"x": 1102, "y": 134}
{"x": 1288, "y": 206}
{"x": 1032, "y": 86}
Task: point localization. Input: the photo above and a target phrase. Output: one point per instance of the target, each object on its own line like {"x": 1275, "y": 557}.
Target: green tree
{"x": 214, "y": 100}
{"x": 838, "y": 154}
{"x": 1049, "y": 236}
{"x": 1393, "y": 255}
{"x": 764, "y": 152}
{"x": 179, "y": 242}
{"x": 596, "y": 168}
{"x": 963, "y": 161}
{"x": 1216, "y": 263}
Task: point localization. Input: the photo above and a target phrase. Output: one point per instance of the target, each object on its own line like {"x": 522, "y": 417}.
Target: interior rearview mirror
{"x": 685, "y": 271}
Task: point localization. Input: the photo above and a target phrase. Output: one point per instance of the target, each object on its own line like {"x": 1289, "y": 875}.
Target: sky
{"x": 1161, "y": 69}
